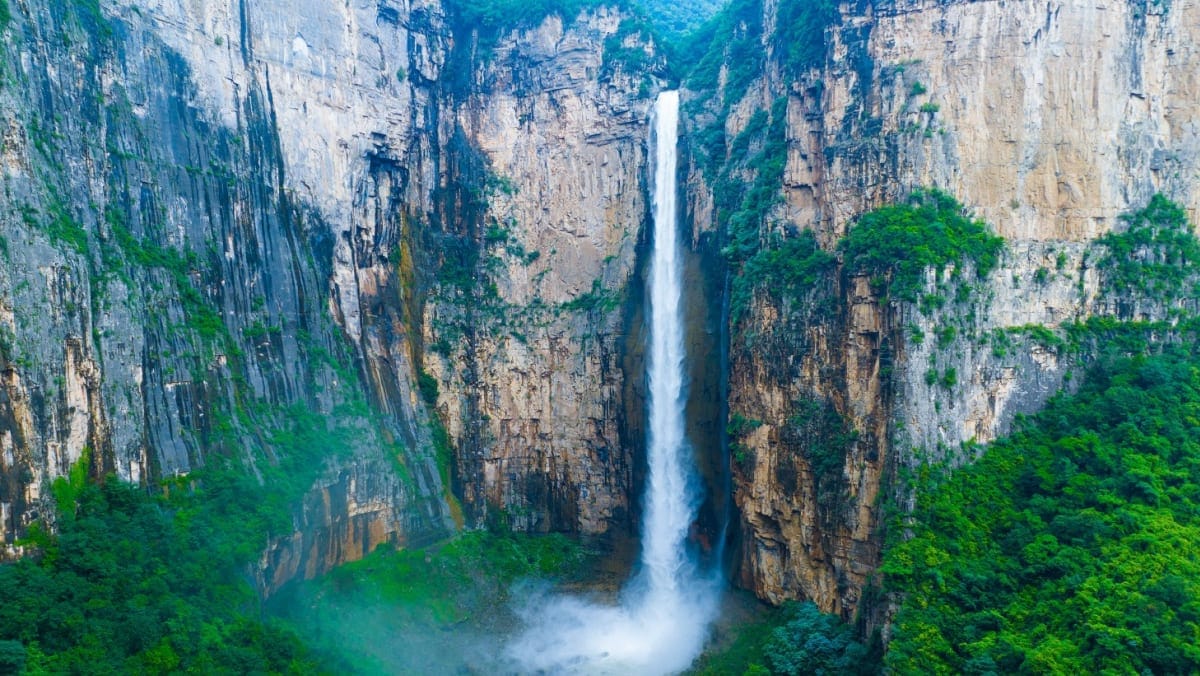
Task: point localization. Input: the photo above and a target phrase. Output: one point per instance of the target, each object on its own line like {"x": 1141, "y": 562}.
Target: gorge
{"x": 662, "y": 622}
{"x": 378, "y": 282}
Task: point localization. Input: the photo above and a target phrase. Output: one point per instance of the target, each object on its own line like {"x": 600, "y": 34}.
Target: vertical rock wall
{"x": 529, "y": 359}
{"x": 167, "y": 290}
{"x": 225, "y": 221}
{"x": 1046, "y": 119}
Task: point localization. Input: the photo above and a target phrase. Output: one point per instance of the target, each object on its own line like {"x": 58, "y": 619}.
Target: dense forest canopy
{"x": 133, "y": 583}
{"x": 680, "y": 17}
{"x": 1072, "y": 546}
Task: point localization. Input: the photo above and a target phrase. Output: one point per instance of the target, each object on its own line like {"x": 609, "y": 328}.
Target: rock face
{"x": 1046, "y": 119}
{"x": 307, "y": 244}
{"x": 167, "y": 289}
{"x": 529, "y": 355}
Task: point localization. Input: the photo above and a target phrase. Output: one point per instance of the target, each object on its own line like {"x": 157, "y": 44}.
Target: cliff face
{"x": 528, "y": 352}
{"x": 270, "y": 240}
{"x": 167, "y": 290}
{"x": 1048, "y": 120}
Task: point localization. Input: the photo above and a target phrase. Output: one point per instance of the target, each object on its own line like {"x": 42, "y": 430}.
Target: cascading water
{"x": 662, "y": 622}
{"x": 670, "y": 499}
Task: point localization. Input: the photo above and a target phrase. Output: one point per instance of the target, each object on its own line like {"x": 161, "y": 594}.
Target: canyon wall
{"x": 373, "y": 260}
{"x": 1048, "y": 120}
{"x": 169, "y": 284}
{"x": 528, "y": 348}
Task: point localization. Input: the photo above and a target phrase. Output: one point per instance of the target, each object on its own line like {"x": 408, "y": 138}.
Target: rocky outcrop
{"x": 1048, "y": 120}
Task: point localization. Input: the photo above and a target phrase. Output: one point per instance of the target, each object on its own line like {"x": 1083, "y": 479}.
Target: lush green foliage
{"x": 679, "y": 17}
{"x": 796, "y": 639}
{"x": 734, "y": 39}
{"x": 731, "y": 40}
{"x": 1070, "y": 547}
{"x": 63, "y": 228}
{"x": 440, "y": 579}
{"x": 799, "y": 36}
{"x": 128, "y": 585}
{"x": 928, "y": 230}
{"x": 812, "y": 643}
{"x": 1155, "y": 255}
{"x": 792, "y": 268}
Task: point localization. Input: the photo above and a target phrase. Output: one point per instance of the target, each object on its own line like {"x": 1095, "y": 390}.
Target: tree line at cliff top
{"x": 671, "y": 17}
{"x": 709, "y": 32}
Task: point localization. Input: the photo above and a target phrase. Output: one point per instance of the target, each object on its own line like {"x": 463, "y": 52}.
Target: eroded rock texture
{"x": 1046, "y": 119}
{"x": 303, "y": 241}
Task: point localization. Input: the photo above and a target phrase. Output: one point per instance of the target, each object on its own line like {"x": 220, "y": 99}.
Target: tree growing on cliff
{"x": 930, "y": 229}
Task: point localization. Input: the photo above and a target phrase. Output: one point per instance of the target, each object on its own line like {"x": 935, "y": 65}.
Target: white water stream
{"x": 665, "y": 612}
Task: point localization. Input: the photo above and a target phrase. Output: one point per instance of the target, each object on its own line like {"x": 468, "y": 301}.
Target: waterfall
{"x": 670, "y": 499}
{"x": 662, "y": 621}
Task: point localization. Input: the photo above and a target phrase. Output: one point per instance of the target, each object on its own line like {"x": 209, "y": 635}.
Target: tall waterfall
{"x": 662, "y": 621}
{"x": 670, "y": 499}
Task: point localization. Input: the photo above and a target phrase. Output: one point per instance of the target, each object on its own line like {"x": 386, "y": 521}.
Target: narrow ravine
{"x": 662, "y": 621}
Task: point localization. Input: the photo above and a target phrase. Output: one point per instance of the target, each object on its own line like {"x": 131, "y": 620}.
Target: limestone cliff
{"x": 1046, "y": 119}
{"x": 390, "y": 263}
{"x": 526, "y": 330}
{"x": 167, "y": 285}
{"x": 269, "y": 241}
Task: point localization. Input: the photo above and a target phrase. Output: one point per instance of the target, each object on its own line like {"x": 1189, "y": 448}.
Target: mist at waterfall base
{"x": 664, "y": 614}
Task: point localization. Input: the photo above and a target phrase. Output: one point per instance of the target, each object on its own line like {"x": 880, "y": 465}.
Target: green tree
{"x": 928, "y": 230}
{"x": 814, "y": 643}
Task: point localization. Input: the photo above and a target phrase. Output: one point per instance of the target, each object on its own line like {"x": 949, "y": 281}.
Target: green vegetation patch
{"x": 793, "y": 268}
{"x": 746, "y": 191}
{"x": 823, "y": 436}
{"x": 493, "y": 17}
{"x": 928, "y": 230}
{"x": 1070, "y": 547}
{"x": 796, "y": 638}
{"x": 732, "y": 40}
{"x": 1156, "y": 254}
{"x": 64, "y": 229}
{"x": 128, "y": 586}
{"x": 461, "y": 577}
{"x": 202, "y": 318}
{"x": 800, "y": 29}
{"x": 679, "y": 17}
{"x": 599, "y": 299}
